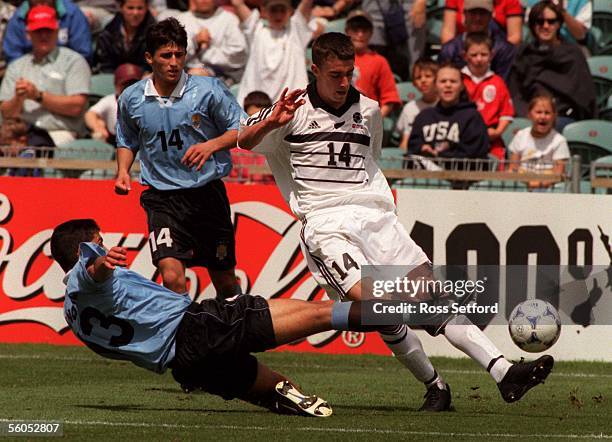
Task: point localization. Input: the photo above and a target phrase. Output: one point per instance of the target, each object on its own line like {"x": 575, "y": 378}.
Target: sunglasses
{"x": 550, "y": 21}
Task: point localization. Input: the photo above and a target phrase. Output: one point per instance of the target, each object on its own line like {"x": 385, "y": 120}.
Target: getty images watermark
{"x": 421, "y": 295}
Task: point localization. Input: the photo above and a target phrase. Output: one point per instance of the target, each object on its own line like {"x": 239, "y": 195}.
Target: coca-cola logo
{"x": 283, "y": 272}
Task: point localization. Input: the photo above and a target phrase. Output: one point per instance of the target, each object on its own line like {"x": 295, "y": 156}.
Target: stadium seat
{"x": 407, "y": 91}
{"x": 337, "y": 25}
{"x": 591, "y": 139}
{"x": 102, "y": 85}
{"x": 602, "y": 20}
{"x": 499, "y": 186}
{"x": 601, "y": 70}
{"x": 83, "y": 149}
{"x": 234, "y": 89}
{"x": 391, "y": 158}
{"x": 517, "y": 124}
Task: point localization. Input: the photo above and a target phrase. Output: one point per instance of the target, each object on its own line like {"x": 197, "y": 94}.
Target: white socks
{"x": 468, "y": 338}
{"x": 407, "y": 348}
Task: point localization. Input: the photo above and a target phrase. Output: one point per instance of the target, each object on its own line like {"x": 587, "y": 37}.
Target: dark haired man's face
{"x": 167, "y": 62}
{"x": 333, "y": 80}
{"x": 477, "y": 20}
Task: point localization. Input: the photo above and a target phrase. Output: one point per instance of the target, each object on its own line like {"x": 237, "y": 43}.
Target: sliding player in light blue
{"x": 183, "y": 127}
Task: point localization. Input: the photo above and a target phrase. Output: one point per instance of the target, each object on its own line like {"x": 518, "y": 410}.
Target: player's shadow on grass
{"x": 131, "y": 407}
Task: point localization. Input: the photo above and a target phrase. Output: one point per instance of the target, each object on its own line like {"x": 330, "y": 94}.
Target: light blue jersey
{"x": 162, "y": 129}
{"x": 125, "y": 317}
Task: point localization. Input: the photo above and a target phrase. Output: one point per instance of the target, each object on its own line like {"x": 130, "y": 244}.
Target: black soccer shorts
{"x": 192, "y": 225}
{"x": 214, "y": 341}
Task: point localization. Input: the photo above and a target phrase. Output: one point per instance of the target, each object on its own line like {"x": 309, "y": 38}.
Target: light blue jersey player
{"x": 162, "y": 129}
{"x": 127, "y": 313}
{"x": 182, "y": 126}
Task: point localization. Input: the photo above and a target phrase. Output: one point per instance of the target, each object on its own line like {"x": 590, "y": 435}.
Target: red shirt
{"x": 502, "y": 9}
{"x": 374, "y": 79}
{"x": 492, "y": 100}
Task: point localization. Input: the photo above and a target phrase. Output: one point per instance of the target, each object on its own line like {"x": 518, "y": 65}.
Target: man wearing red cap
{"x": 48, "y": 87}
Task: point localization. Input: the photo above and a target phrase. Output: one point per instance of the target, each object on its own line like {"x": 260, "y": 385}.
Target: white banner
{"x": 507, "y": 228}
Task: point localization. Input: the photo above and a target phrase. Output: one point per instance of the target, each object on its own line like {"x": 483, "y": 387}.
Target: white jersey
{"x": 325, "y": 157}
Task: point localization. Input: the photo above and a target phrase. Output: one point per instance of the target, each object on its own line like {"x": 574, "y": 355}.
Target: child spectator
{"x": 19, "y": 139}
{"x": 539, "y": 147}
{"x": 372, "y": 76}
{"x": 242, "y": 159}
{"x": 488, "y": 90}
{"x": 424, "y": 79}
{"x": 216, "y": 46}
{"x": 277, "y": 57}
{"x": 453, "y": 128}
{"x": 101, "y": 118}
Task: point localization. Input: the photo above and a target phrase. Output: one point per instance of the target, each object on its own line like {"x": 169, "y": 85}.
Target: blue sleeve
{"x": 87, "y": 252}
{"x": 224, "y": 108}
{"x": 127, "y": 132}
{"x": 79, "y": 38}
{"x": 14, "y": 39}
{"x": 503, "y": 60}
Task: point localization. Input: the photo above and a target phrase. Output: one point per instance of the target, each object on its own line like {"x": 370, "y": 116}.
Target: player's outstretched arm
{"x": 282, "y": 113}
{"x": 102, "y": 268}
{"x": 125, "y": 159}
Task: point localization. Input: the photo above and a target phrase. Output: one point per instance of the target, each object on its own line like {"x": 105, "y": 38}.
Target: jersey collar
{"x": 474, "y": 78}
{"x": 178, "y": 91}
{"x": 351, "y": 98}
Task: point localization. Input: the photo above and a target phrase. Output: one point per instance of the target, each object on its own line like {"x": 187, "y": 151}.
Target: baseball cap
{"x": 127, "y": 72}
{"x": 41, "y": 17}
{"x": 359, "y": 14}
{"x": 478, "y": 4}
{"x": 269, "y": 3}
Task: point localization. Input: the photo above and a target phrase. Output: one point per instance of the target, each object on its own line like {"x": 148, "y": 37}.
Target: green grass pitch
{"x": 373, "y": 398}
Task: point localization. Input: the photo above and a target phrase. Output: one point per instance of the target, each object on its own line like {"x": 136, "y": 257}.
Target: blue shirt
{"x": 162, "y": 129}
{"x": 125, "y": 317}
{"x": 73, "y": 31}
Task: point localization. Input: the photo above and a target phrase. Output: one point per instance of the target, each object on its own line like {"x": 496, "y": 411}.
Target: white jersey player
{"x": 322, "y": 144}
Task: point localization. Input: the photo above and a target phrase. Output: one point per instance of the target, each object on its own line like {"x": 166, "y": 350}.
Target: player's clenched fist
{"x": 116, "y": 256}
{"x": 122, "y": 183}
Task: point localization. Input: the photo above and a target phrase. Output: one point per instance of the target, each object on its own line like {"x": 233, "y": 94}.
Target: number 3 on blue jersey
{"x": 175, "y": 139}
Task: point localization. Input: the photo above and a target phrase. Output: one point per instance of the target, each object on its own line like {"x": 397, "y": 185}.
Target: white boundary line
{"x": 313, "y": 366}
{"x": 320, "y": 430}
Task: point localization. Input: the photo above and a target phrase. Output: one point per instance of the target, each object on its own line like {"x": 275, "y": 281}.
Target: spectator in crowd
{"x": 123, "y": 39}
{"x": 372, "y": 75}
{"x": 577, "y": 18}
{"x": 48, "y": 87}
{"x": 73, "y": 30}
{"x": 6, "y": 12}
{"x": 401, "y": 42}
{"x": 488, "y": 90}
{"x": 507, "y": 18}
{"x": 242, "y": 159}
{"x": 277, "y": 57}
{"x": 453, "y": 128}
{"x": 101, "y": 118}
{"x": 477, "y": 19}
{"x": 98, "y": 13}
{"x": 21, "y": 139}
{"x": 216, "y": 45}
{"x": 539, "y": 148}
{"x": 424, "y": 79}
{"x": 553, "y": 65}
{"x": 330, "y": 9}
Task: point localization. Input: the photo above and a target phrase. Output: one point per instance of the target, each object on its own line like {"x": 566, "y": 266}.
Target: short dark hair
{"x": 425, "y": 64}
{"x": 477, "y": 38}
{"x": 66, "y": 238}
{"x": 168, "y": 31}
{"x": 537, "y": 11}
{"x": 332, "y": 44}
{"x": 359, "y": 22}
{"x": 257, "y": 98}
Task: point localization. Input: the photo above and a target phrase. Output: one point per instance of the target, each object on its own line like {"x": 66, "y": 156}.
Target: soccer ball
{"x": 534, "y": 325}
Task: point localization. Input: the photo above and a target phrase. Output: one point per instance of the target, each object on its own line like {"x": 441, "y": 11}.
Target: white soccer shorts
{"x": 337, "y": 243}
